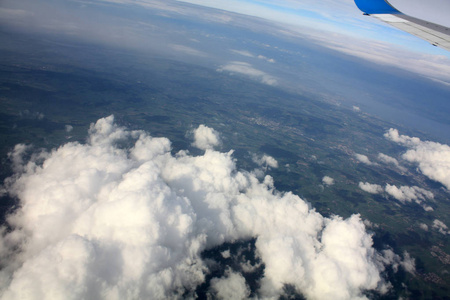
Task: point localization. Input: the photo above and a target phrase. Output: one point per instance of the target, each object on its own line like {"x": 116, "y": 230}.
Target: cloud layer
{"x": 120, "y": 217}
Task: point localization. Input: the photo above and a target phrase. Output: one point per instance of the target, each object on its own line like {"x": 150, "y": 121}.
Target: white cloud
{"x": 364, "y": 159}
{"x": 271, "y": 60}
{"x": 226, "y": 254}
{"x": 356, "y": 108}
{"x": 68, "y": 128}
{"x": 404, "y": 194}
{"x": 423, "y": 226}
{"x": 248, "y": 70}
{"x": 432, "y": 158}
{"x": 328, "y": 180}
{"x": 440, "y": 226}
{"x": 371, "y": 188}
{"x": 390, "y": 160}
{"x": 408, "y": 193}
{"x": 265, "y": 160}
{"x": 230, "y": 287}
{"x": 100, "y": 221}
{"x": 407, "y": 263}
{"x": 431, "y": 66}
{"x": 205, "y": 138}
{"x": 243, "y": 53}
{"x": 26, "y": 114}
{"x": 187, "y": 50}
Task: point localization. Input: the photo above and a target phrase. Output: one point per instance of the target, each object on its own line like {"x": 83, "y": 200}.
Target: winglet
{"x": 376, "y": 7}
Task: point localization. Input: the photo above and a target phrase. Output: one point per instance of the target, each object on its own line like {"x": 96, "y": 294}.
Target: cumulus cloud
{"x": 423, "y": 226}
{"x": 390, "y": 160}
{"x": 364, "y": 159}
{"x": 265, "y": 161}
{"x": 433, "y": 159}
{"x": 406, "y": 194}
{"x": 328, "y": 180}
{"x": 440, "y": 226}
{"x": 230, "y": 287}
{"x": 68, "y": 128}
{"x": 102, "y": 220}
{"x": 356, "y": 108}
{"x": 370, "y": 188}
{"x": 35, "y": 115}
{"x": 205, "y": 138}
{"x": 248, "y": 70}
{"x": 407, "y": 263}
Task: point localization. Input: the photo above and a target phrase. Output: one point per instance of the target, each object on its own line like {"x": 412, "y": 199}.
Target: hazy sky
{"x": 340, "y": 16}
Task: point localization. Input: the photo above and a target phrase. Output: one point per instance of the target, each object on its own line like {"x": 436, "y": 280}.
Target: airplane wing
{"x": 437, "y": 34}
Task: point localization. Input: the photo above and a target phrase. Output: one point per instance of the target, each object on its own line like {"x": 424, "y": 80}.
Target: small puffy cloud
{"x": 390, "y": 160}
{"x": 404, "y": 194}
{"x": 423, "y": 226}
{"x": 247, "y": 69}
{"x": 364, "y": 159}
{"x": 440, "y": 226}
{"x": 408, "y": 193}
{"x": 230, "y": 287}
{"x": 102, "y": 220}
{"x": 407, "y": 263}
{"x": 427, "y": 207}
{"x": 356, "y": 108}
{"x": 265, "y": 161}
{"x": 68, "y": 128}
{"x": 26, "y": 114}
{"x": 370, "y": 224}
{"x": 226, "y": 254}
{"x": 433, "y": 159}
{"x": 328, "y": 180}
{"x": 387, "y": 159}
{"x": 205, "y": 138}
{"x": 371, "y": 188}
{"x": 393, "y": 135}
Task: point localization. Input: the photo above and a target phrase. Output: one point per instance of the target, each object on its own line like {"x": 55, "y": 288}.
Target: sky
{"x": 340, "y": 16}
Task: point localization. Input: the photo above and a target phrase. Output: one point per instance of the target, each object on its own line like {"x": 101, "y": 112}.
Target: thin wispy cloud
{"x": 390, "y": 160}
{"x": 187, "y": 50}
{"x": 243, "y": 68}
